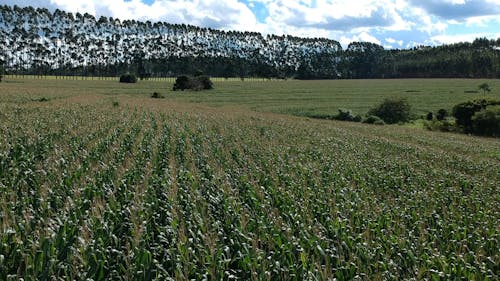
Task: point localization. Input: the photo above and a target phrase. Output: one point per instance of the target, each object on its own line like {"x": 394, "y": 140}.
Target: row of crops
{"x": 92, "y": 191}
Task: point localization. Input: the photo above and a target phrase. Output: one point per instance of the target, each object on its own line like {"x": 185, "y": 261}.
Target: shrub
{"x": 441, "y": 114}
{"x": 116, "y": 104}
{"x": 440, "y": 125}
{"x": 157, "y": 95}
{"x": 464, "y": 111}
{"x": 357, "y": 118}
{"x": 346, "y": 115}
{"x": 205, "y": 82}
{"x": 181, "y": 83}
{"x": 372, "y": 119}
{"x": 193, "y": 83}
{"x": 392, "y": 110}
{"x": 485, "y": 88}
{"x": 487, "y": 121}
{"x": 128, "y": 78}
{"x": 429, "y": 116}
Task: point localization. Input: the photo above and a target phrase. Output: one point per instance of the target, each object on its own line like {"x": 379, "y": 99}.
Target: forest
{"x": 41, "y": 42}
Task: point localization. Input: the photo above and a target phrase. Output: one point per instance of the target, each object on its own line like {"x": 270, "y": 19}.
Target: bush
{"x": 440, "y": 125}
{"x": 157, "y": 95}
{"x": 441, "y": 114}
{"x": 372, "y": 119}
{"x": 193, "y": 83}
{"x": 392, "y": 110}
{"x": 346, "y": 115}
{"x": 181, "y": 83}
{"x": 464, "y": 111}
{"x": 429, "y": 116}
{"x": 485, "y": 88}
{"x": 205, "y": 82}
{"x": 487, "y": 121}
{"x": 128, "y": 78}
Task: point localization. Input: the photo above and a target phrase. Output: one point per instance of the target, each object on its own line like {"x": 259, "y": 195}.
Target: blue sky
{"x": 390, "y": 23}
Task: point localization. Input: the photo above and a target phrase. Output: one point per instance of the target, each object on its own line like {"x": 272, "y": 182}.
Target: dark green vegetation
{"x": 114, "y": 185}
{"x": 76, "y": 44}
{"x": 485, "y": 87}
{"x": 128, "y": 78}
{"x": 487, "y": 121}
{"x": 291, "y": 97}
{"x": 392, "y": 110}
{"x": 196, "y": 83}
{"x": 465, "y": 114}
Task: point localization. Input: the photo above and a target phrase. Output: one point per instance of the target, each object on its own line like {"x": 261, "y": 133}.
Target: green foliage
{"x": 205, "y": 82}
{"x": 429, "y": 116}
{"x": 156, "y": 95}
{"x": 116, "y": 104}
{"x": 148, "y": 192}
{"x": 485, "y": 87}
{"x": 392, "y": 110}
{"x": 182, "y": 83}
{"x": 128, "y": 78}
{"x": 487, "y": 121}
{"x": 373, "y": 119}
{"x": 347, "y": 115}
{"x": 440, "y": 125}
{"x": 441, "y": 114}
{"x": 195, "y": 83}
{"x": 464, "y": 111}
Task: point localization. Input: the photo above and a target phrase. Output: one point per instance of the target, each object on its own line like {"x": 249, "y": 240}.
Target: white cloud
{"x": 394, "y": 41}
{"x": 361, "y": 37}
{"x": 450, "y": 39}
{"x": 221, "y": 14}
{"x": 403, "y": 22}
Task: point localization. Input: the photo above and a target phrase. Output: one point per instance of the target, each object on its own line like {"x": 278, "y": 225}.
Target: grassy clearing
{"x": 302, "y": 98}
{"x": 159, "y": 188}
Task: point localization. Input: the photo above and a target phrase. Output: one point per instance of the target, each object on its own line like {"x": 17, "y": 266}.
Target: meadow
{"x": 292, "y": 97}
{"x": 100, "y": 181}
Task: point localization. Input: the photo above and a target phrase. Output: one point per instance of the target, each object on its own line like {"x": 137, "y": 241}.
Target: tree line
{"x": 36, "y": 41}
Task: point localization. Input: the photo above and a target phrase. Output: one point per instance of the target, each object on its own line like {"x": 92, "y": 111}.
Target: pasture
{"x": 100, "y": 181}
{"x": 293, "y": 97}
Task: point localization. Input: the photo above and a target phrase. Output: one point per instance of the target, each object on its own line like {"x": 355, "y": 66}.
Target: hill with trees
{"x": 37, "y": 41}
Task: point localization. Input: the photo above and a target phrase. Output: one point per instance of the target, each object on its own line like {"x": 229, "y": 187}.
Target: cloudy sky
{"x": 390, "y": 23}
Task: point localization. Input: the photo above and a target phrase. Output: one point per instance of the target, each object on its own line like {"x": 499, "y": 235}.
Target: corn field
{"x": 147, "y": 190}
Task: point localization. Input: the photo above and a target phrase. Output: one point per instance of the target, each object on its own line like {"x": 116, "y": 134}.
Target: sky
{"x": 390, "y": 23}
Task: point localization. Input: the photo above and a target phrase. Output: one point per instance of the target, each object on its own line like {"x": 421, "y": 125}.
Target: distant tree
{"x": 485, "y": 88}
{"x": 441, "y": 114}
{"x": 429, "y": 116}
{"x": 182, "y": 83}
{"x": 128, "y": 78}
{"x": 371, "y": 119}
{"x": 197, "y": 83}
{"x": 205, "y": 82}
{"x": 464, "y": 111}
{"x": 392, "y": 110}
{"x": 487, "y": 121}
{"x": 198, "y": 73}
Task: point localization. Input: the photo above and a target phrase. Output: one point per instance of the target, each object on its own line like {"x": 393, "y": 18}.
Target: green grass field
{"x": 302, "y": 98}
{"x": 99, "y": 181}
